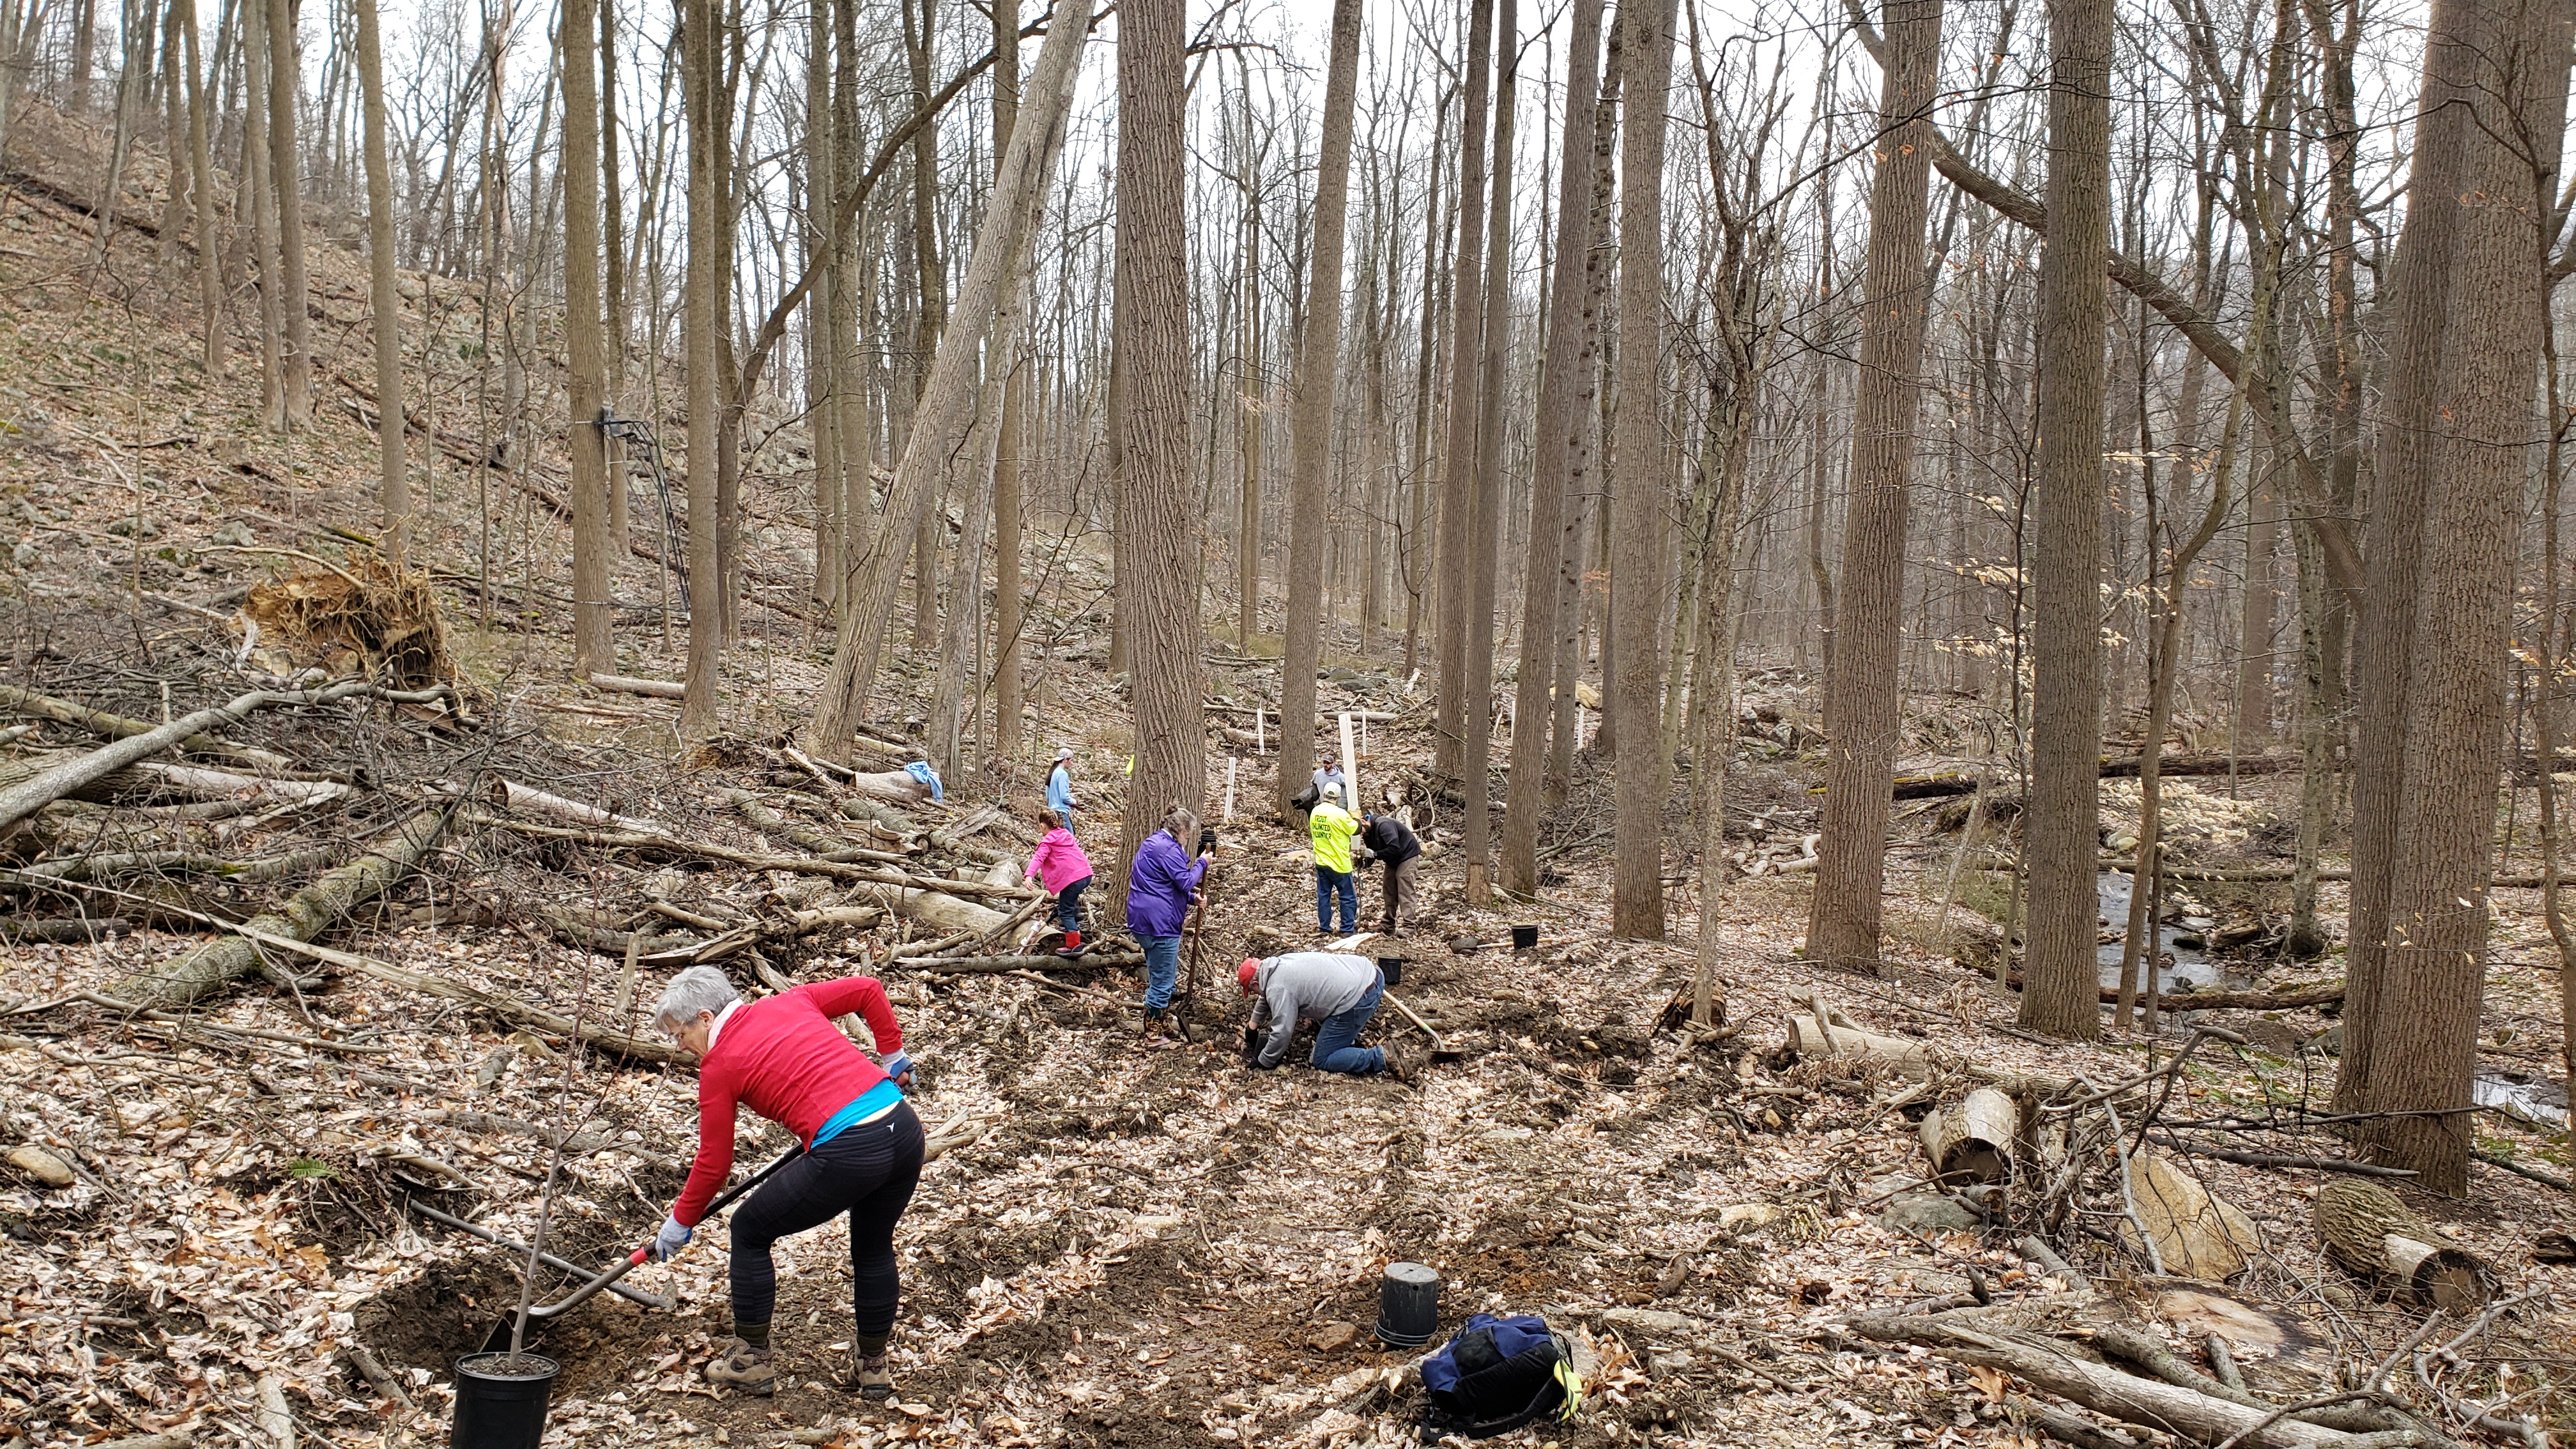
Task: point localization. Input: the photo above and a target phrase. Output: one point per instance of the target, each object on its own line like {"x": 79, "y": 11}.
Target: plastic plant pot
{"x": 501, "y": 1400}
{"x": 1524, "y": 938}
{"x": 1392, "y": 968}
{"x": 1408, "y": 1305}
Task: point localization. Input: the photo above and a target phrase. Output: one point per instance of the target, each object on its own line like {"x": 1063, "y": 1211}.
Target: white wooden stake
{"x": 1230, "y": 762}
{"x": 1350, "y": 767}
{"x": 1260, "y": 738}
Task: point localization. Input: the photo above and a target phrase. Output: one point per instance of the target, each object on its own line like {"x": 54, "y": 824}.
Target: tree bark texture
{"x": 2061, "y": 966}
{"x": 1861, "y": 686}
{"x": 594, "y": 645}
{"x": 2425, "y": 1026}
{"x": 1157, "y": 517}
{"x": 1485, "y": 513}
{"x": 1638, "y": 479}
{"x": 706, "y": 138}
{"x": 286, "y": 172}
{"x": 1006, "y": 450}
{"x": 1318, "y": 363}
{"x": 383, "y": 298}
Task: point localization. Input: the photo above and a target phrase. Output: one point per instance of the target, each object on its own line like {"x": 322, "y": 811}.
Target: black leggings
{"x": 868, "y": 1171}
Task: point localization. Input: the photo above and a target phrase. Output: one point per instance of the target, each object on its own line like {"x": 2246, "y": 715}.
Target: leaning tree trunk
{"x": 1318, "y": 357}
{"x": 877, "y": 575}
{"x": 185, "y": 980}
{"x": 2061, "y": 968}
{"x": 2426, "y": 1026}
{"x": 1860, "y": 682}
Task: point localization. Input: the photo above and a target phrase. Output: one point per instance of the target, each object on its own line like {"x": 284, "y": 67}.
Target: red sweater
{"x": 782, "y": 1057}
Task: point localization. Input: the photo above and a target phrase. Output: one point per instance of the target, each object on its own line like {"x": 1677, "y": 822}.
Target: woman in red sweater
{"x": 783, "y": 1058}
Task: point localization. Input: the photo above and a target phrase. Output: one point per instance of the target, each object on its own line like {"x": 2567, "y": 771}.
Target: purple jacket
{"x": 1159, "y": 886}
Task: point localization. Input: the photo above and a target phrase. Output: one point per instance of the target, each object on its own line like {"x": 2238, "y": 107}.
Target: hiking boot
{"x": 1158, "y": 1021}
{"x": 746, "y": 1368}
{"x": 1404, "y": 1062}
{"x": 872, "y": 1377}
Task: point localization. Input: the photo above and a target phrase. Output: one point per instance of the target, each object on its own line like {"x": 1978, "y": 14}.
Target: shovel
{"x": 499, "y": 1338}
{"x": 1440, "y": 1046}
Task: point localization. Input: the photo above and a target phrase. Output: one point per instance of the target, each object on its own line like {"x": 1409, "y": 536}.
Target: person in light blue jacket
{"x": 1059, "y": 791}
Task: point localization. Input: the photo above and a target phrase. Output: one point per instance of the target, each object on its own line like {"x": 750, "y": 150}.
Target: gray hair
{"x": 1183, "y": 825}
{"x": 700, "y": 988}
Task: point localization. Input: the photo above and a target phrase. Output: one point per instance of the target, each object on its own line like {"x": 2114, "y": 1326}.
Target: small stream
{"x": 2534, "y": 1097}
{"x": 2190, "y": 965}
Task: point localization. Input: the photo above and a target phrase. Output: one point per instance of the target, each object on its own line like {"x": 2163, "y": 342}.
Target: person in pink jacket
{"x": 1059, "y": 864}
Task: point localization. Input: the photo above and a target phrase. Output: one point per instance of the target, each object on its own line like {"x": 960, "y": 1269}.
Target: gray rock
{"x": 1923, "y": 1212}
{"x": 1653, "y": 1322}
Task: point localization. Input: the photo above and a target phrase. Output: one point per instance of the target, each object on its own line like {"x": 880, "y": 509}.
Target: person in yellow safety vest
{"x": 1331, "y": 827}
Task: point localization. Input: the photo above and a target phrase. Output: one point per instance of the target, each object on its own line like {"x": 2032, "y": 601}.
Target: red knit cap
{"x": 1244, "y": 973}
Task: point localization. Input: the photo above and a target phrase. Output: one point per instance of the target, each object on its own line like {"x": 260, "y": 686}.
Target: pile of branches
{"x": 2075, "y": 1171}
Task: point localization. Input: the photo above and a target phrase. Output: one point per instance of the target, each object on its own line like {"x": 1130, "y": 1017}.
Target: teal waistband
{"x": 868, "y": 1106}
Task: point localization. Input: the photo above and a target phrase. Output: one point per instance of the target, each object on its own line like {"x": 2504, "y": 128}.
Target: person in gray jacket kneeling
{"x": 1338, "y": 992}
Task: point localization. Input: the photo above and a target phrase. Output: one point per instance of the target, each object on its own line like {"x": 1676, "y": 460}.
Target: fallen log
{"x": 178, "y": 862}
{"x": 896, "y": 787}
{"x": 28, "y": 796}
{"x": 1972, "y": 1141}
{"x": 979, "y": 965}
{"x": 195, "y": 782}
{"x": 2121, "y": 1341}
{"x": 64, "y": 930}
{"x": 514, "y": 796}
{"x": 2148, "y": 1403}
{"x": 792, "y": 864}
{"x": 943, "y": 912}
{"x": 305, "y": 915}
{"x": 2273, "y": 1159}
{"x": 759, "y": 813}
{"x": 1934, "y": 787}
{"x": 117, "y": 727}
{"x": 2372, "y": 1232}
{"x": 628, "y": 684}
{"x": 1829, "y": 1033}
{"x": 2290, "y": 1000}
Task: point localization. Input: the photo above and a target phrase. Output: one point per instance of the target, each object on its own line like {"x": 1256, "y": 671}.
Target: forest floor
{"x": 1136, "y": 1243}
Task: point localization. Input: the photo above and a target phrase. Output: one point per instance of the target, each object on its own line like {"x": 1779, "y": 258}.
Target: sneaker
{"x": 872, "y": 1377}
{"x": 746, "y": 1368}
{"x": 1404, "y": 1062}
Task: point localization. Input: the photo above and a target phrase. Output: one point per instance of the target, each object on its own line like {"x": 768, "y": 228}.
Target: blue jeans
{"x": 1335, "y": 1040}
{"x": 1068, "y": 904}
{"x": 1162, "y": 969}
{"x": 1328, "y": 884}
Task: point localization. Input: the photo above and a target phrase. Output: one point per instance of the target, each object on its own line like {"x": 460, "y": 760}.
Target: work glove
{"x": 671, "y": 1239}
{"x": 899, "y": 1067}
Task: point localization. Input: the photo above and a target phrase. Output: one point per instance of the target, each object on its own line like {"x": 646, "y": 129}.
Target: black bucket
{"x": 1524, "y": 938}
{"x": 501, "y": 1404}
{"x": 1391, "y": 968}
{"x": 1408, "y": 1305}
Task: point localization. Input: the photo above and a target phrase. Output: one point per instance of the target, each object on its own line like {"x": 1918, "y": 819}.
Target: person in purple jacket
{"x": 1161, "y": 886}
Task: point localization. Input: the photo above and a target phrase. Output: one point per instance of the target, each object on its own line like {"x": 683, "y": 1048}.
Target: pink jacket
{"x": 1059, "y": 860}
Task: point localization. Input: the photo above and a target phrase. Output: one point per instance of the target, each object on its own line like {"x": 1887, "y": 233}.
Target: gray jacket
{"x": 1305, "y": 986}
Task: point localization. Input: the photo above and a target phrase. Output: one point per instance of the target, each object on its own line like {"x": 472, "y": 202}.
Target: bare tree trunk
{"x": 699, "y": 60}
{"x": 286, "y": 172}
{"x": 1639, "y": 490}
{"x": 933, "y": 280}
{"x": 2254, "y": 649}
{"x": 1007, "y": 503}
{"x": 1485, "y": 515}
{"x": 1551, "y": 556}
{"x": 259, "y": 196}
{"x": 1861, "y": 688}
{"x": 1586, "y": 503}
{"x": 1160, "y": 568}
{"x": 384, "y": 299}
{"x": 1458, "y": 461}
{"x": 2401, "y": 486}
{"x": 2426, "y": 1026}
{"x": 948, "y": 396}
{"x": 613, "y": 243}
{"x": 1318, "y": 364}
{"x": 210, "y": 280}
{"x": 594, "y": 645}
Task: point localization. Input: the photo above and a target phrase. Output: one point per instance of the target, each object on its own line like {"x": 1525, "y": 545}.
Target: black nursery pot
{"x": 1408, "y": 1305}
{"x": 1524, "y": 938}
{"x": 1392, "y": 968}
{"x": 501, "y": 1401}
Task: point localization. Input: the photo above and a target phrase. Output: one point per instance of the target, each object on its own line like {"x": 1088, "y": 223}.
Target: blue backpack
{"x": 1496, "y": 1375}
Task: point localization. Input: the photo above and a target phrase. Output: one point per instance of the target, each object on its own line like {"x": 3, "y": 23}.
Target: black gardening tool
{"x": 499, "y": 1338}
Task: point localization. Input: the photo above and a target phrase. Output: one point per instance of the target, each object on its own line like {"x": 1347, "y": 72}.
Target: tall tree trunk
{"x": 823, "y": 355}
{"x": 1585, "y": 504}
{"x": 210, "y": 250}
{"x": 1861, "y": 685}
{"x": 613, "y": 243}
{"x": 1638, "y": 482}
{"x": 384, "y": 298}
{"x": 2401, "y": 485}
{"x": 1485, "y": 514}
{"x": 1158, "y": 581}
{"x": 2254, "y": 635}
{"x": 594, "y": 644}
{"x": 286, "y": 173}
{"x": 1551, "y": 554}
{"x": 1007, "y": 503}
{"x": 699, "y": 60}
{"x": 1318, "y": 359}
{"x": 1458, "y": 454}
{"x": 919, "y": 40}
{"x": 1253, "y": 386}
{"x": 949, "y": 395}
{"x": 2425, "y": 1023}
{"x": 258, "y": 195}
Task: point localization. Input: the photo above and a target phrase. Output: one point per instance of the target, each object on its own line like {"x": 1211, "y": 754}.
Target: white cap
{"x": 1064, "y": 752}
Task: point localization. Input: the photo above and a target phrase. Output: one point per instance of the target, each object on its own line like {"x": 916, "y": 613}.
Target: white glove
{"x": 671, "y": 1239}
{"x": 899, "y": 1067}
